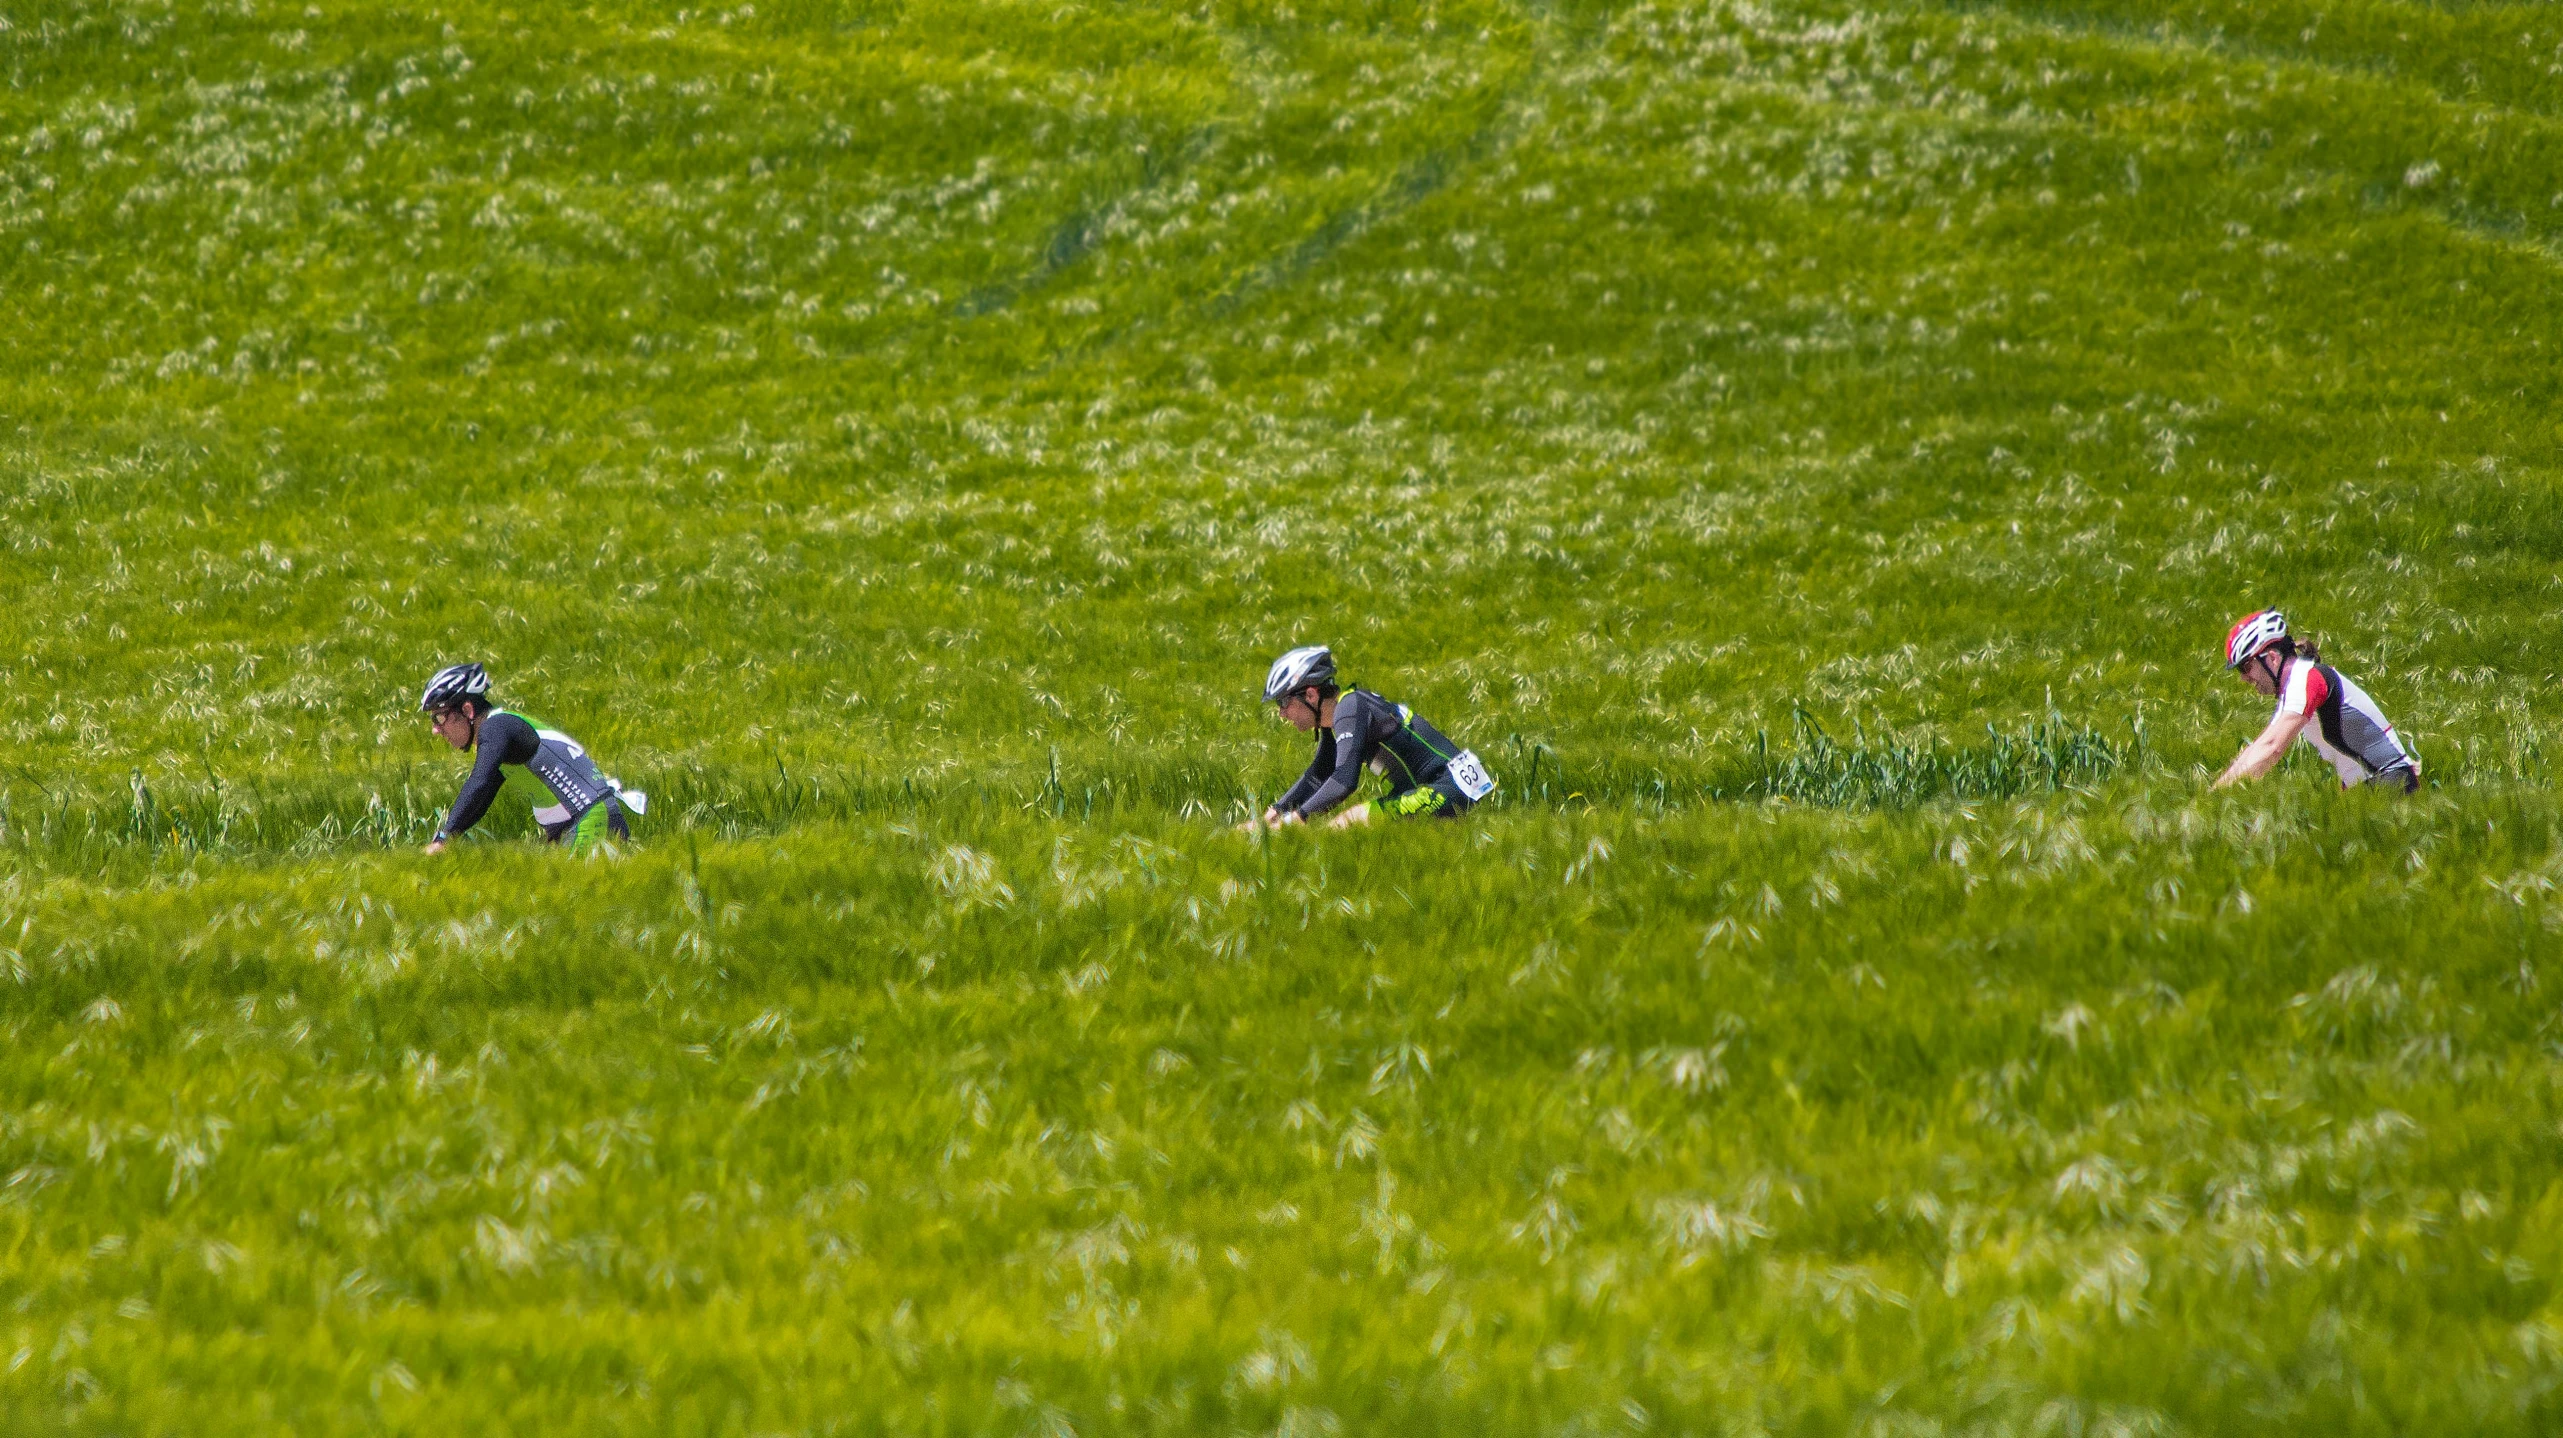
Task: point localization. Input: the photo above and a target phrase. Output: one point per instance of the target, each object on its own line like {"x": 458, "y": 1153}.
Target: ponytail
{"x": 2300, "y": 647}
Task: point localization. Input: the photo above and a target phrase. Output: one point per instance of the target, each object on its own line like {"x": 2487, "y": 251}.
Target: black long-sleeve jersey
{"x": 502, "y": 738}
{"x": 1368, "y": 730}
{"x": 551, "y": 758}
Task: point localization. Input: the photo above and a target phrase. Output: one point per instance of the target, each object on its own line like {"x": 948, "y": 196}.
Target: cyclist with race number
{"x": 2316, "y": 703}
{"x": 573, "y": 801}
{"x": 1427, "y": 773}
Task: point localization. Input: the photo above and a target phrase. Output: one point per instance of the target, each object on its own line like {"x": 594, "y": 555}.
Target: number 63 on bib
{"x": 1471, "y": 776}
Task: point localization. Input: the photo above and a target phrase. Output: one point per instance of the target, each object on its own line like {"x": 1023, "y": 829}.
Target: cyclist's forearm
{"x": 1338, "y": 787}
{"x": 2258, "y": 758}
{"x": 478, "y": 791}
{"x": 1297, "y": 794}
{"x": 1351, "y": 751}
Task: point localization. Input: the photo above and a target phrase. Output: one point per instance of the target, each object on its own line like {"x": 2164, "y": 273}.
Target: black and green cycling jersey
{"x": 1389, "y": 737}
{"x": 553, "y": 771}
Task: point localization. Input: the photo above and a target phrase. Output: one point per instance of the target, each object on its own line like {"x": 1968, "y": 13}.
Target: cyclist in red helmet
{"x": 2316, "y": 703}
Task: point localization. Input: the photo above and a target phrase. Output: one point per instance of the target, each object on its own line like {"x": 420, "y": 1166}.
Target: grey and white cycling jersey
{"x": 2348, "y": 730}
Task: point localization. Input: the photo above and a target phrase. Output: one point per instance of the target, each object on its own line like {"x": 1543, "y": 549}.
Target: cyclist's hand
{"x": 437, "y": 847}
{"x": 1290, "y": 818}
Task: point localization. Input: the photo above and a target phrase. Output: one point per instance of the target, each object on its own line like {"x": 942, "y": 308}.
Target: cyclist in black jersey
{"x": 573, "y": 801}
{"x": 1427, "y": 773}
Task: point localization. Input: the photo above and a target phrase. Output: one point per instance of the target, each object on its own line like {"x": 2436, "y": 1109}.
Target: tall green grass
{"x": 1811, "y": 450}
{"x": 154, "y": 826}
{"x": 2043, "y": 758}
{"x": 2081, "y": 1105}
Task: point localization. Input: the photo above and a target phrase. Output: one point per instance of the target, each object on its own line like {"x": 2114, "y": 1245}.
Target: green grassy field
{"x": 1812, "y": 450}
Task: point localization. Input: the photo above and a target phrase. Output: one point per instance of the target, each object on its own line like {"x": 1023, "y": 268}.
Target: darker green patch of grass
{"x": 1886, "y": 773}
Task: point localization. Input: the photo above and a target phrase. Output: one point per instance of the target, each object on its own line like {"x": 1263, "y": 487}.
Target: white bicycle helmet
{"x": 2253, "y": 633}
{"x": 1295, "y": 671}
{"x": 453, "y": 684}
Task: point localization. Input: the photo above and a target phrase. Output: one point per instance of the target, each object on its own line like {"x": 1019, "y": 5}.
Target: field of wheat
{"x": 1810, "y": 449}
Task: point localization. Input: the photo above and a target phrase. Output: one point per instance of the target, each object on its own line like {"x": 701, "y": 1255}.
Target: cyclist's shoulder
{"x": 1367, "y": 704}
{"x": 2324, "y": 682}
{"x": 511, "y": 729}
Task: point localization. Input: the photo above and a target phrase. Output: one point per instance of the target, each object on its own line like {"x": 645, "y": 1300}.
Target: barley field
{"x": 1811, "y": 449}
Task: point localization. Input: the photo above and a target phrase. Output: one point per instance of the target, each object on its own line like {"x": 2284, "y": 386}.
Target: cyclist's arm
{"x": 1352, "y": 750}
{"x": 2262, "y": 754}
{"x": 503, "y": 739}
{"x": 1297, "y": 794}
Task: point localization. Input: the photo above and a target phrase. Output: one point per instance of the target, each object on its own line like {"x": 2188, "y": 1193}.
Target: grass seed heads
{"x": 1808, "y": 450}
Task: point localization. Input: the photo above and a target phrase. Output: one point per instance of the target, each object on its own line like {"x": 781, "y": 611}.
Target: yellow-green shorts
{"x": 1426, "y": 801}
{"x": 602, "y": 823}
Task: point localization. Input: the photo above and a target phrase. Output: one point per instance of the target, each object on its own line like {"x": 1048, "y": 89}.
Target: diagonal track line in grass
{"x": 1077, "y": 236}
{"x": 2499, "y": 234}
{"x": 1080, "y": 234}
{"x": 1414, "y": 182}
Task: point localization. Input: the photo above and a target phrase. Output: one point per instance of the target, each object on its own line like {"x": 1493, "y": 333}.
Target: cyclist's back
{"x": 2348, "y": 730}
{"x": 552, "y": 770}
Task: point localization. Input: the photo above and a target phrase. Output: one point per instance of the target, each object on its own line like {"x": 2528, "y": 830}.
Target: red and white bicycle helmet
{"x": 2253, "y": 633}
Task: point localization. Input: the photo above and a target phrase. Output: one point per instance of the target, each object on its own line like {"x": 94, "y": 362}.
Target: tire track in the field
{"x": 1413, "y": 183}
{"x": 1084, "y": 230}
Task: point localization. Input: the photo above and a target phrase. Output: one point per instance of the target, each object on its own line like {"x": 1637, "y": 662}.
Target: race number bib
{"x": 1471, "y": 776}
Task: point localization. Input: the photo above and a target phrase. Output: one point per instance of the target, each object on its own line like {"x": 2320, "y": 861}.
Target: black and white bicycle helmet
{"x": 1295, "y": 671}
{"x": 452, "y": 685}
